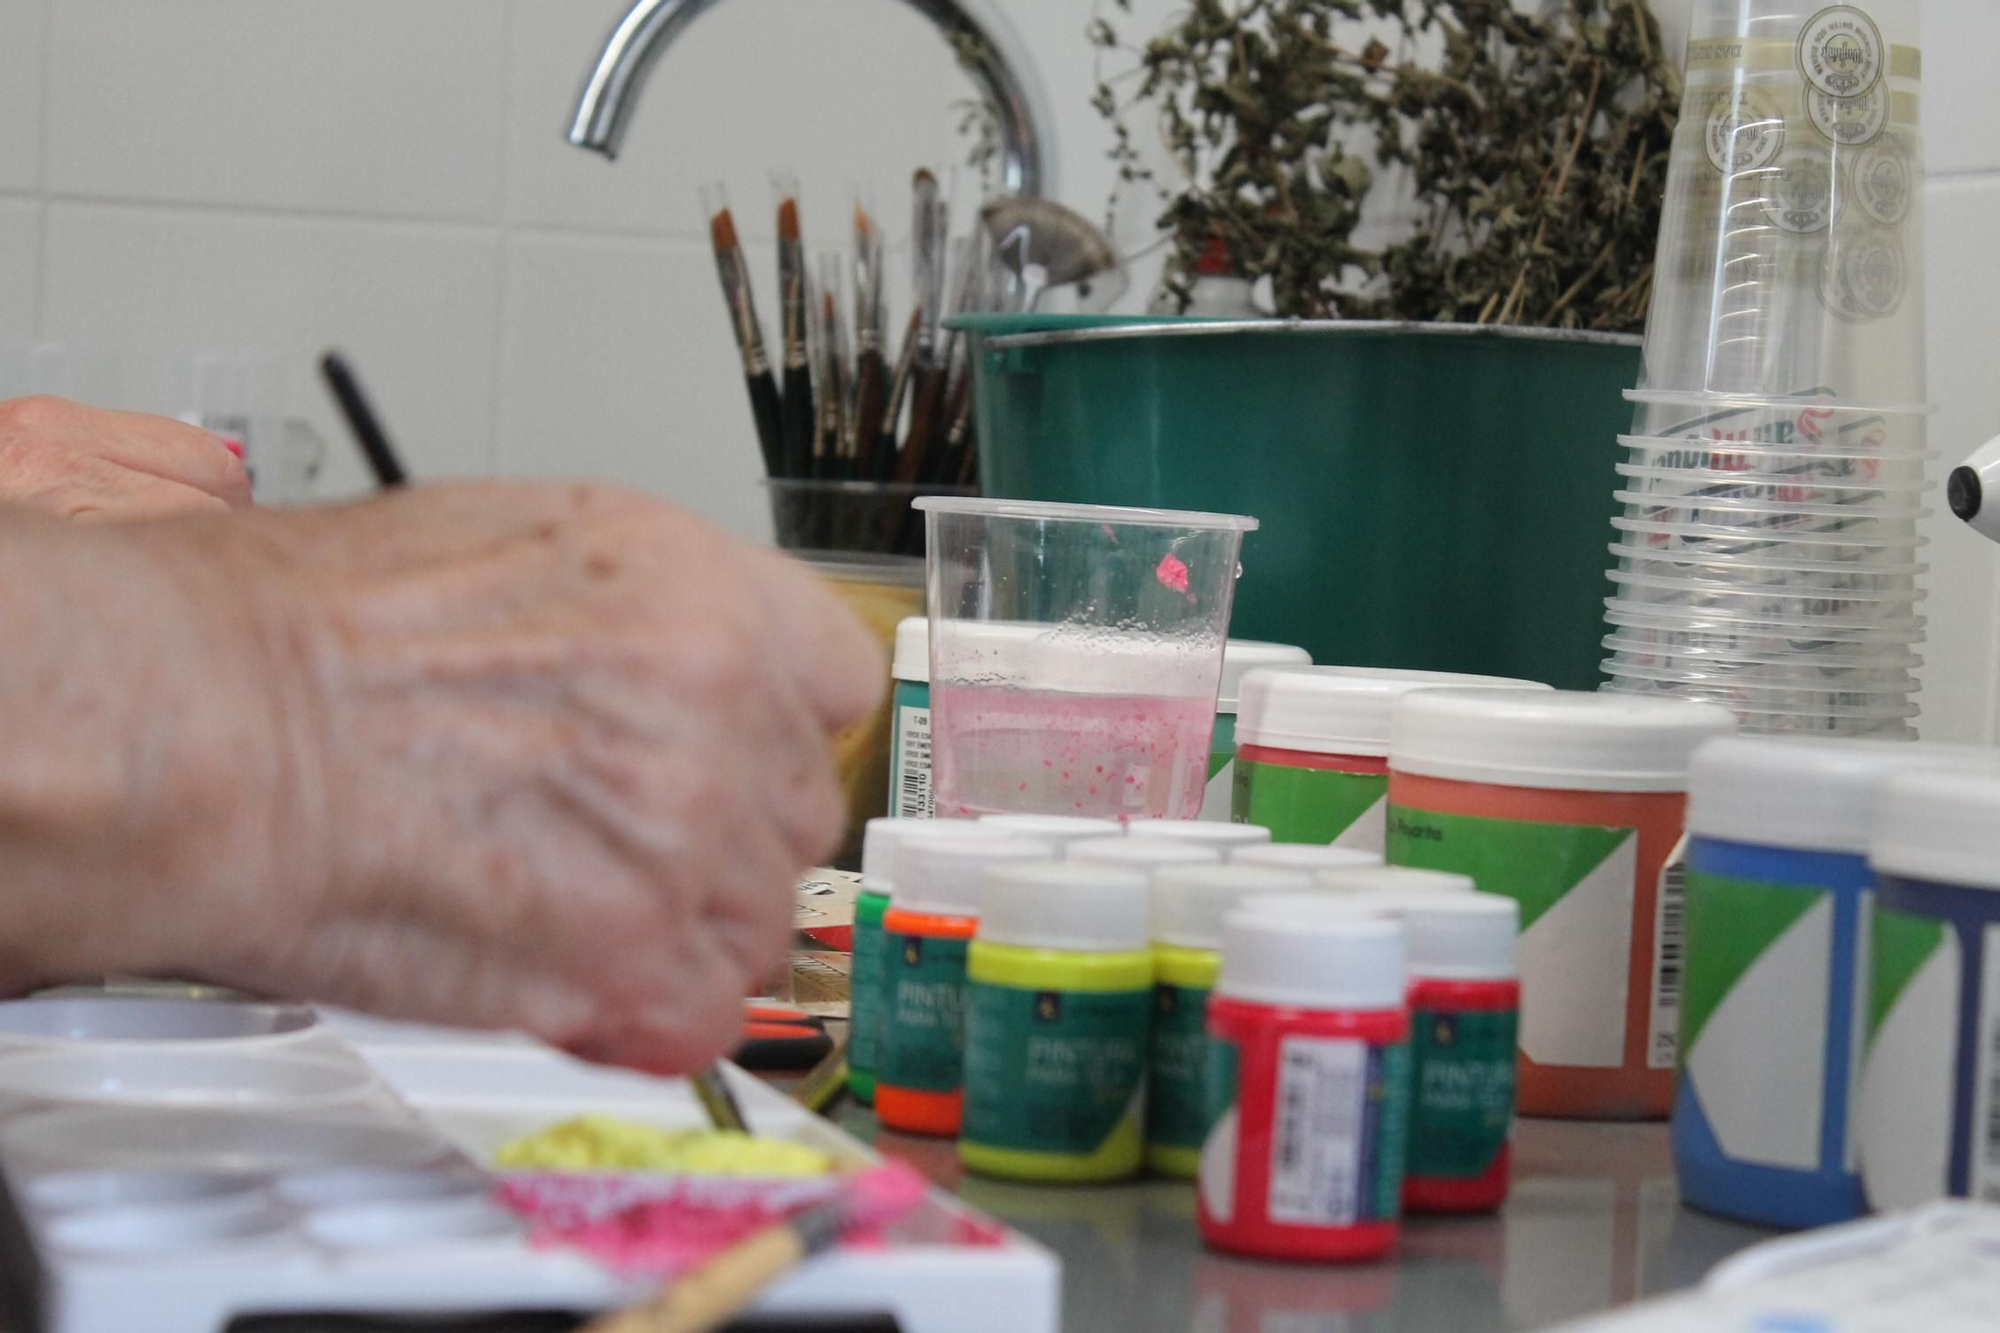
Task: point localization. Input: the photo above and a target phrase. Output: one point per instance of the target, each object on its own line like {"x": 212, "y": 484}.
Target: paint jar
{"x": 1390, "y": 882}
{"x": 1225, "y": 838}
{"x": 1465, "y": 1009}
{"x": 1930, "y": 1095}
{"x": 1148, "y": 854}
{"x": 910, "y": 722}
{"x": 1304, "y": 856}
{"x": 1189, "y": 904}
{"x": 933, "y": 913}
{"x": 1778, "y": 907}
{"x": 1059, "y": 830}
{"x": 1060, "y": 1001}
{"x": 1239, "y": 658}
{"x": 867, "y": 974}
{"x": 1312, "y": 746}
{"x": 1573, "y": 805}
{"x": 1309, "y": 1084}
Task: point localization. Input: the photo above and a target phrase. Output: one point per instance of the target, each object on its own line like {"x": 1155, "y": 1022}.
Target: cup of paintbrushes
{"x": 812, "y": 515}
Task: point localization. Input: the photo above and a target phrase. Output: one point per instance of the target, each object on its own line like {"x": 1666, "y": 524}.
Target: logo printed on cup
{"x": 1882, "y": 181}
{"x": 1850, "y": 121}
{"x": 1840, "y": 51}
{"x": 1799, "y": 195}
{"x": 1745, "y": 131}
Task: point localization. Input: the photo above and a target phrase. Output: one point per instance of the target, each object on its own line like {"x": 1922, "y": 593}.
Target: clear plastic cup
{"x": 1098, "y": 696}
{"x": 1794, "y": 481}
{"x": 1831, "y": 567}
{"x": 1629, "y": 647}
{"x": 1711, "y": 628}
{"x": 1806, "y": 422}
{"x": 1781, "y": 535}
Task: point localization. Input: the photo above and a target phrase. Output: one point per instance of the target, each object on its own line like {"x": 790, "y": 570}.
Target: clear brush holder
{"x": 1790, "y": 254}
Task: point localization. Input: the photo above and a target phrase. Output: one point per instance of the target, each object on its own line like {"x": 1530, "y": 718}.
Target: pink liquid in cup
{"x": 1004, "y": 750}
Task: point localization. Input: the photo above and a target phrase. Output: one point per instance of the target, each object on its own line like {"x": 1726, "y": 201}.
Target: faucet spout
{"x": 604, "y": 109}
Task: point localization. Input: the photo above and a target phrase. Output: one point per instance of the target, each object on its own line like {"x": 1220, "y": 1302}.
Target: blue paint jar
{"x": 910, "y": 722}
{"x": 1774, "y": 992}
{"x": 1930, "y": 1097}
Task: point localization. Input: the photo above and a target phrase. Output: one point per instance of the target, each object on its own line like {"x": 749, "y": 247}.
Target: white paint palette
{"x": 178, "y": 1165}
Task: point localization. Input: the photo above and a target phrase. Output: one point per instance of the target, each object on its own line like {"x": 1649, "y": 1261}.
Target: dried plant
{"x": 1536, "y": 145}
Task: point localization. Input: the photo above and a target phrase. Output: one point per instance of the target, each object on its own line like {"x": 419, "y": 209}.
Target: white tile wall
{"x": 22, "y": 35}
{"x": 391, "y": 176}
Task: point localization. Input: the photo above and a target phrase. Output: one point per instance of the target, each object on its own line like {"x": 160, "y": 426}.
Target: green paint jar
{"x": 1239, "y": 658}
{"x": 1059, "y": 1005}
{"x": 1189, "y": 902}
{"x": 910, "y": 722}
{"x": 1312, "y": 747}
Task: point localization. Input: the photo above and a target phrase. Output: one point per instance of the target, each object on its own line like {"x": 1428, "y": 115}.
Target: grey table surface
{"x": 1594, "y": 1221}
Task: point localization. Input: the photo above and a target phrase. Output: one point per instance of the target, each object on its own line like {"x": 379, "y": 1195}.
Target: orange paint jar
{"x": 1575, "y": 806}
{"x": 926, "y": 935}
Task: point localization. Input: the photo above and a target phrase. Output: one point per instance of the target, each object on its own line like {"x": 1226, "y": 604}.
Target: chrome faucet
{"x": 644, "y": 34}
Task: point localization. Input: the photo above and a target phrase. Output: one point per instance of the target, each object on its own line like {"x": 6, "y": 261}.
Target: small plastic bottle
{"x": 1189, "y": 903}
{"x": 1305, "y": 856}
{"x": 1146, "y": 854}
{"x": 1309, "y": 1083}
{"x": 1225, "y": 838}
{"x": 1062, "y": 830}
{"x": 1391, "y": 881}
{"x": 1061, "y": 997}
{"x": 933, "y": 912}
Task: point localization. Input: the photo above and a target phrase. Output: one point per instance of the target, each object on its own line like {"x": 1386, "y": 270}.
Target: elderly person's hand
{"x": 73, "y": 461}
{"x": 509, "y": 755}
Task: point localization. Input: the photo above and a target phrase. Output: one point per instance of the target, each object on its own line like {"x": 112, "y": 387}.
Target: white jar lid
{"x": 1145, "y": 853}
{"x": 1805, "y": 792}
{"x": 1223, "y": 837}
{"x": 1242, "y": 656}
{"x": 1942, "y": 826}
{"x": 882, "y": 838}
{"x": 1563, "y": 739}
{"x": 1399, "y": 881}
{"x": 912, "y": 660}
{"x": 944, "y": 875}
{"x": 1304, "y": 856}
{"x": 1337, "y": 710}
{"x": 1459, "y": 936}
{"x": 1082, "y": 908}
{"x": 1313, "y": 952}
{"x": 1190, "y": 901}
{"x": 1058, "y": 829}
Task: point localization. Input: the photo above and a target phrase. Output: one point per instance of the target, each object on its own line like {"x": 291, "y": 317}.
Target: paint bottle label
{"x": 1663, "y": 1016}
{"x": 1577, "y": 887}
{"x": 1054, "y": 1071}
{"x": 923, "y": 1035}
{"x": 910, "y": 758}
{"x": 865, "y": 982}
{"x": 1906, "y": 1089}
{"x": 1336, "y": 1120}
{"x": 1463, "y": 1090}
{"x": 1176, "y": 1093}
{"x": 1318, "y": 805}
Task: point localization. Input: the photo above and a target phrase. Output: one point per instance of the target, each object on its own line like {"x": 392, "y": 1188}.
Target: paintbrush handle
{"x": 709, "y": 1297}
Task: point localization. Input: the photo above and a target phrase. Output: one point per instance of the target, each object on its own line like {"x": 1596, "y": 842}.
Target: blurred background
{"x": 391, "y": 177}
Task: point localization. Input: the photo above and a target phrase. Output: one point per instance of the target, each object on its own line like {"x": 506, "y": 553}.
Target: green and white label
{"x": 923, "y": 1031}
{"x": 1983, "y": 1182}
{"x": 1176, "y": 1094}
{"x": 1463, "y": 1102}
{"x": 865, "y": 989}
{"x": 1576, "y": 884}
{"x": 1054, "y": 1071}
{"x": 1754, "y": 1027}
{"x": 1319, "y": 805}
{"x": 1905, "y": 1110}
{"x": 1220, "y": 1076}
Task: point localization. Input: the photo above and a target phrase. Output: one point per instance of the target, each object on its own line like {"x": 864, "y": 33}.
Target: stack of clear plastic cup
{"x": 1767, "y": 552}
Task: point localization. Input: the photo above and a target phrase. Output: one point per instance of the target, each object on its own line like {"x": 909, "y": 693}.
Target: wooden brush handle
{"x": 713, "y": 1294}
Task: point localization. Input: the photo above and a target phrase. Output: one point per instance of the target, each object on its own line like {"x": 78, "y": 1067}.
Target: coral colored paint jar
{"x": 1061, "y": 999}
{"x": 1573, "y": 805}
{"x": 1189, "y": 904}
{"x": 1309, "y": 1083}
{"x": 926, "y": 933}
{"x": 1239, "y": 658}
{"x": 1312, "y": 746}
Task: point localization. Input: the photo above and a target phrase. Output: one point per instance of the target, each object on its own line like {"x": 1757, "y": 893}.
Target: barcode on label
{"x": 1984, "y": 1160}
{"x": 1663, "y": 1030}
{"x": 1320, "y": 1119}
{"x": 913, "y": 764}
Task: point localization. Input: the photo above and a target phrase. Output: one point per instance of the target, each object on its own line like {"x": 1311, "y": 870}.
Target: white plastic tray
{"x": 175, "y": 1182}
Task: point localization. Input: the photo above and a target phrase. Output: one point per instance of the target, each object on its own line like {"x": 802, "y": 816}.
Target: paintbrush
{"x": 1042, "y": 244}
{"x": 735, "y": 273}
{"x": 717, "y": 1101}
{"x": 892, "y": 408}
{"x": 361, "y": 419}
{"x": 798, "y": 418}
{"x": 709, "y": 1296}
{"x": 930, "y": 224}
{"x": 832, "y": 390}
{"x": 871, "y": 372}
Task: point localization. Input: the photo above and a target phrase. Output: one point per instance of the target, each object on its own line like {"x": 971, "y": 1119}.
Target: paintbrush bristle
{"x": 788, "y": 220}
{"x": 864, "y": 225}
{"x": 722, "y": 230}
{"x": 925, "y": 179}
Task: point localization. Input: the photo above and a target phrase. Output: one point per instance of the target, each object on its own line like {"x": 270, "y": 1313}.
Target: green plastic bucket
{"x": 1432, "y": 496}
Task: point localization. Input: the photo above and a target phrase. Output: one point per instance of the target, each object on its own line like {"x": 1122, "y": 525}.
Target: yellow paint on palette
{"x": 606, "y": 1143}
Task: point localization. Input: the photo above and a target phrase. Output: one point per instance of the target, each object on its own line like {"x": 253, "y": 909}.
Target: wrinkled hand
{"x": 506, "y": 755}
{"x": 73, "y": 461}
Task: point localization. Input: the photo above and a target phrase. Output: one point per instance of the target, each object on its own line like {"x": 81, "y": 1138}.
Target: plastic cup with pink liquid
{"x": 1075, "y": 655}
